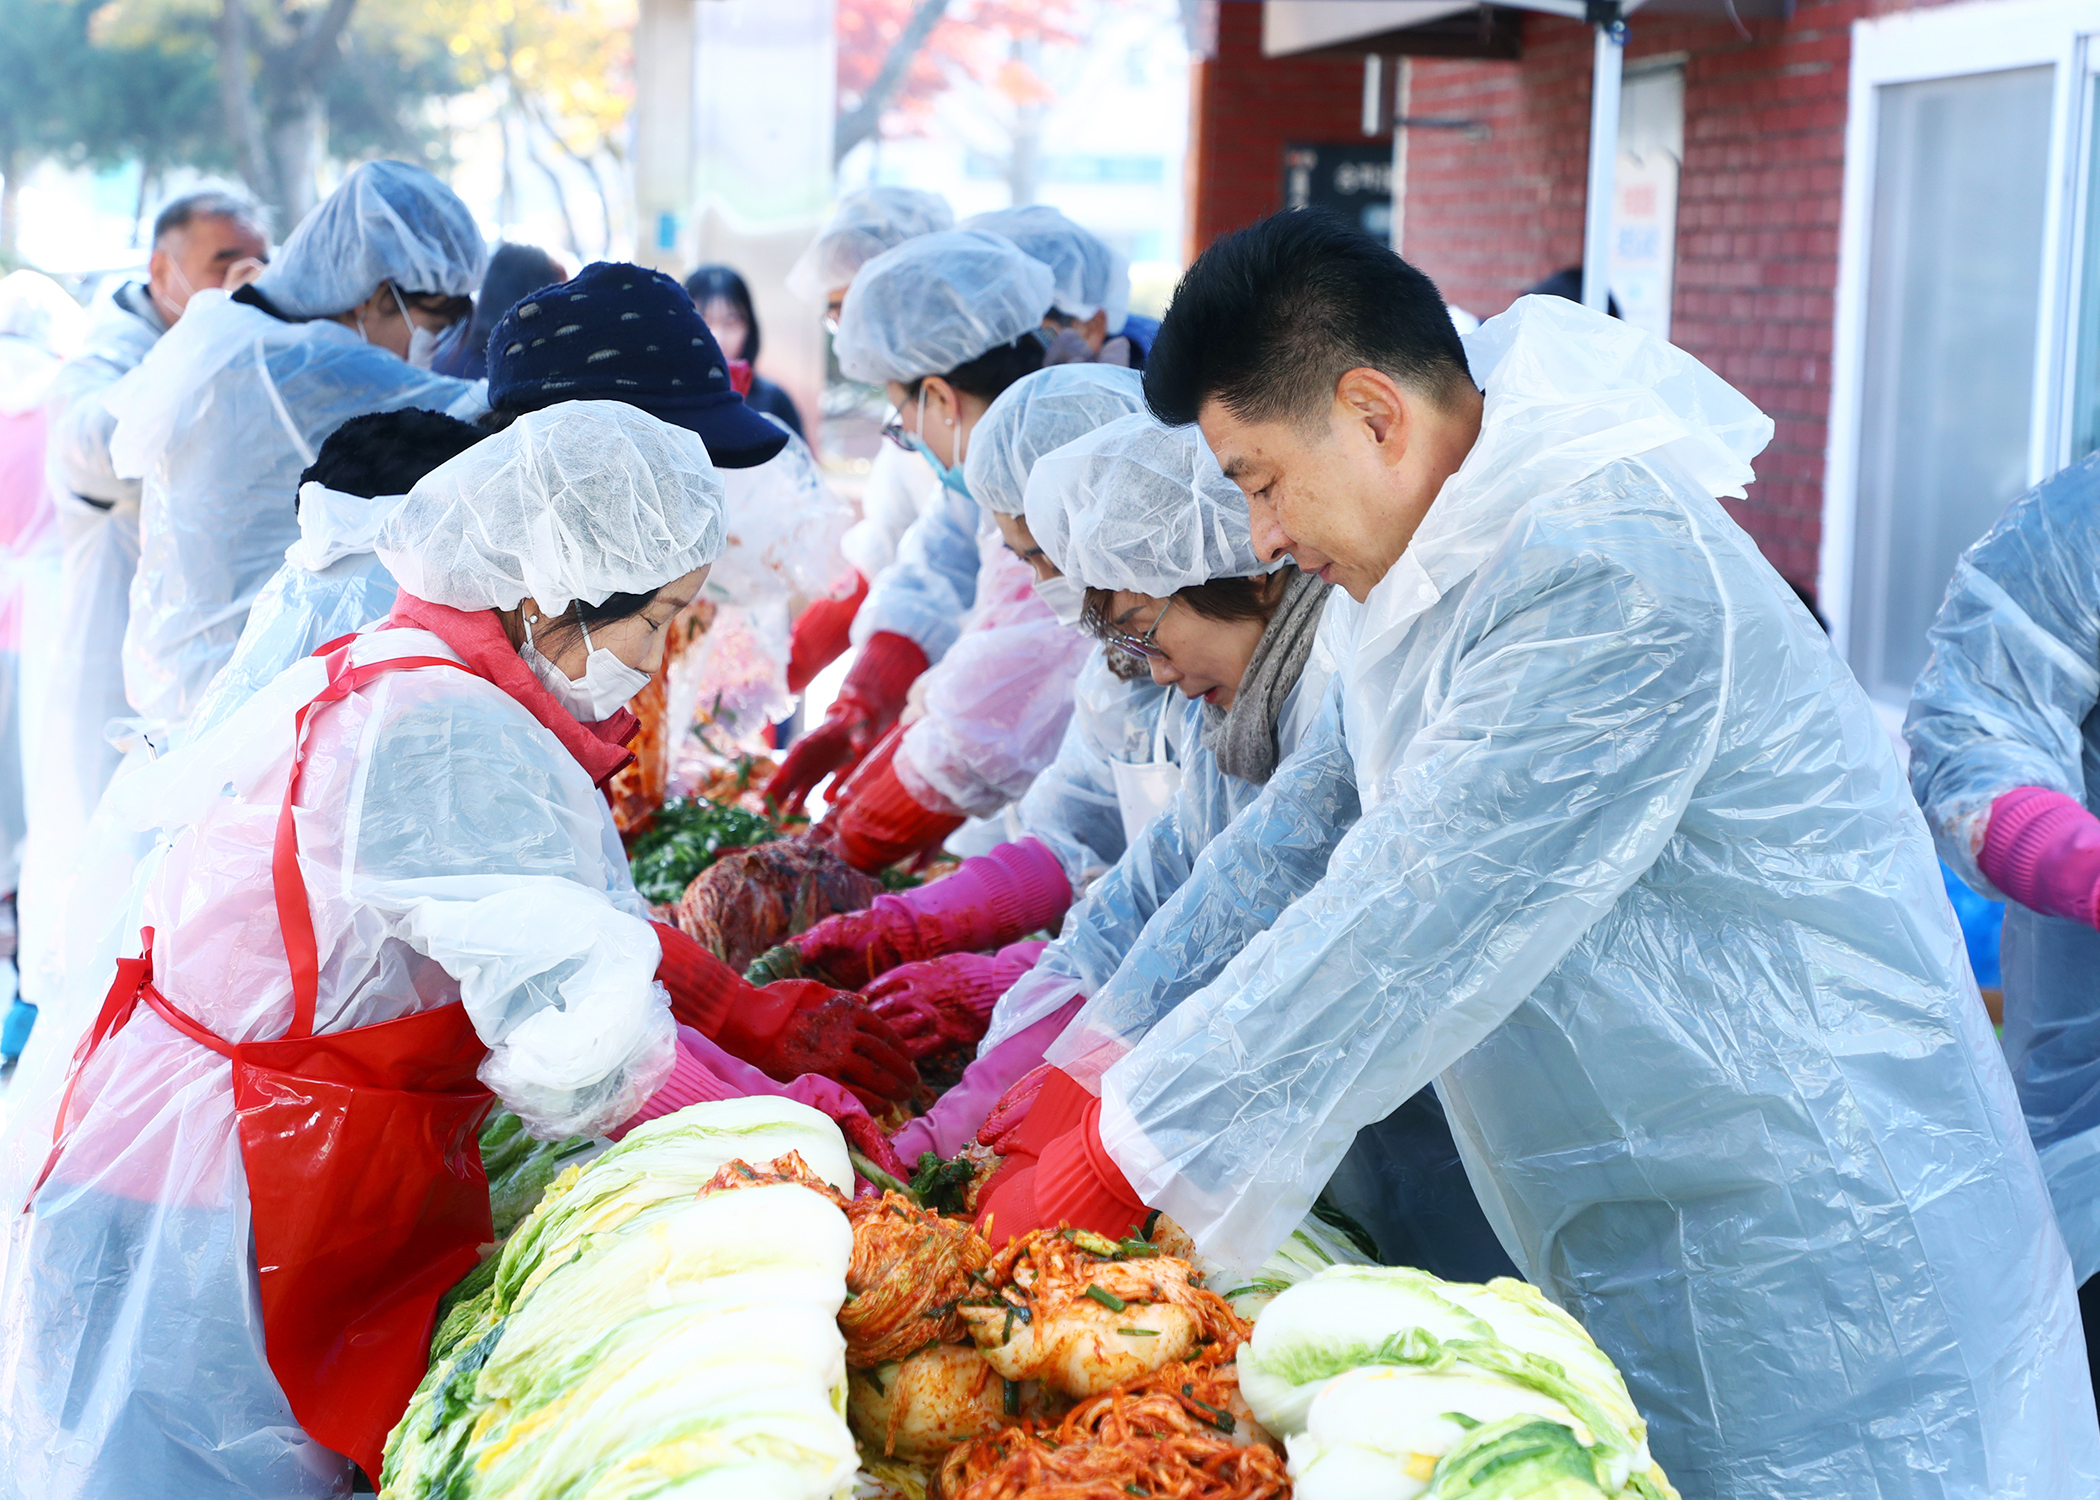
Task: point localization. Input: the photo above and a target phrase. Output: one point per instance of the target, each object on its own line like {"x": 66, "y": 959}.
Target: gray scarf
{"x": 1243, "y": 737}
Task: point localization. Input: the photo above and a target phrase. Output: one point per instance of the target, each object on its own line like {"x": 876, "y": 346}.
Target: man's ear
{"x": 1370, "y": 401}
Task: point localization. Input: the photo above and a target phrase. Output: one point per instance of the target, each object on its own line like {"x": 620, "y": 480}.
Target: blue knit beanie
{"x": 620, "y": 332}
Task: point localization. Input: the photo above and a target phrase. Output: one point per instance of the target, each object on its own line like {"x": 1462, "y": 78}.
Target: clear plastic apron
{"x": 1145, "y": 788}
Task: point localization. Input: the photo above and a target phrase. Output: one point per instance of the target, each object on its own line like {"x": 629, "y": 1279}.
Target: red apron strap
{"x": 294, "y": 910}
{"x": 134, "y": 975}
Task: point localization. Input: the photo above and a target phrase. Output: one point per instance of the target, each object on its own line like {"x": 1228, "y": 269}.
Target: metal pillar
{"x": 1605, "y": 17}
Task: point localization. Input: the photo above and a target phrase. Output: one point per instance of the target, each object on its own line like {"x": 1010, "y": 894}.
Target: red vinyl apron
{"x": 365, "y": 1185}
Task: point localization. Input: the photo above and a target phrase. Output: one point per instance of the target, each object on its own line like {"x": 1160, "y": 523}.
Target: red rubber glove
{"x": 876, "y": 822}
{"x": 821, "y": 633}
{"x": 865, "y": 709}
{"x": 1075, "y": 1182}
{"x": 947, "y": 1002}
{"x": 988, "y": 900}
{"x": 2042, "y": 848}
{"x": 786, "y": 1029}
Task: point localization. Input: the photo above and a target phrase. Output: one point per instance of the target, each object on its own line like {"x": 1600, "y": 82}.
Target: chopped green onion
{"x": 1013, "y": 1398}
{"x": 1106, "y": 1298}
{"x": 1139, "y": 1333}
{"x": 1220, "y": 1419}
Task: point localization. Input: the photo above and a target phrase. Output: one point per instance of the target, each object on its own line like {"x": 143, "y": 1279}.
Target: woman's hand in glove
{"x": 946, "y": 1002}
{"x": 786, "y": 1029}
{"x": 1075, "y": 1182}
{"x": 865, "y": 709}
{"x": 805, "y": 1027}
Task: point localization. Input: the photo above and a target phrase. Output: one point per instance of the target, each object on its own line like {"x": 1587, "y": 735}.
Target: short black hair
{"x": 1271, "y": 316}
{"x": 711, "y": 282}
{"x": 990, "y": 373}
{"x": 386, "y": 452}
{"x": 207, "y": 203}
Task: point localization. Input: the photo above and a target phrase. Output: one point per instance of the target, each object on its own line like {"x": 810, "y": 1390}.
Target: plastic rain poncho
{"x": 453, "y": 850}
{"x": 937, "y": 302}
{"x": 39, "y": 326}
{"x": 997, "y": 702}
{"x": 2008, "y": 699}
{"x": 1091, "y": 277}
{"x": 1071, "y": 806}
{"x": 861, "y": 227}
{"x": 1638, "y": 881}
{"x": 781, "y": 548}
{"x": 98, "y": 530}
{"x": 930, "y": 305}
{"x": 232, "y": 404}
{"x": 330, "y": 585}
{"x": 1137, "y": 506}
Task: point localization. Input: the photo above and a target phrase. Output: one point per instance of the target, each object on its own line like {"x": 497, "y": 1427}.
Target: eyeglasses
{"x": 1143, "y": 647}
{"x": 894, "y": 431}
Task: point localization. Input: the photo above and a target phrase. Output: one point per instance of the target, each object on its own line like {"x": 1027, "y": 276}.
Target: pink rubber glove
{"x": 2042, "y": 848}
{"x": 987, "y": 900}
{"x": 952, "y": 1122}
{"x": 705, "y": 1073}
{"x": 947, "y": 1002}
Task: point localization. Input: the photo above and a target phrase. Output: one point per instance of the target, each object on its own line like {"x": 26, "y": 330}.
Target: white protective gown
{"x": 1072, "y": 807}
{"x": 1639, "y": 883}
{"x": 453, "y": 850}
{"x": 219, "y": 420}
{"x": 98, "y": 527}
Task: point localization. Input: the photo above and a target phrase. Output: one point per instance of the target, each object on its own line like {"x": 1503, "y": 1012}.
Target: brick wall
{"x": 1245, "y": 109}
{"x": 1757, "y": 214}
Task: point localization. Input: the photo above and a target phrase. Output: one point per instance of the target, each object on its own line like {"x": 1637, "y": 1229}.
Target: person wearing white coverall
{"x": 2004, "y": 733}
{"x": 861, "y": 226}
{"x": 455, "y": 847}
{"x": 39, "y": 327}
{"x": 990, "y": 714}
{"x": 220, "y": 417}
{"x": 945, "y": 322}
{"x": 1637, "y": 882}
{"x": 198, "y": 240}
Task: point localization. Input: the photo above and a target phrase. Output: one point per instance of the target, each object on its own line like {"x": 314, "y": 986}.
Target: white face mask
{"x": 422, "y": 343}
{"x": 1065, "y": 596}
{"x": 604, "y": 689}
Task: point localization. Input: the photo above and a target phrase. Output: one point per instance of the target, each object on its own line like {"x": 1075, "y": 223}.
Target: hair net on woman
{"x": 1140, "y": 508}
{"x": 937, "y": 302}
{"x": 231, "y": 405}
{"x": 386, "y": 221}
{"x": 453, "y": 849}
{"x": 861, "y": 227}
{"x": 1037, "y": 413}
{"x": 1091, "y": 277}
{"x": 577, "y": 501}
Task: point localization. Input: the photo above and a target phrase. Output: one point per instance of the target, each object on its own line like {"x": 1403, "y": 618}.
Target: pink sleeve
{"x": 2042, "y": 849}
{"x": 952, "y": 1122}
{"x": 704, "y": 1074}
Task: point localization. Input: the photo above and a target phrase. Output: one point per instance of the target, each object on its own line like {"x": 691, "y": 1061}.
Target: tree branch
{"x": 861, "y": 122}
{"x": 322, "y": 37}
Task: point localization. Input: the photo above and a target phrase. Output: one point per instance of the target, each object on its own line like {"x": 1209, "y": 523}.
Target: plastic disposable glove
{"x": 796, "y": 1026}
{"x": 989, "y": 899}
{"x": 864, "y": 711}
{"x": 2042, "y": 848}
{"x": 820, "y": 636}
{"x": 988, "y": 1088}
{"x": 947, "y": 1002}
{"x": 876, "y": 821}
{"x": 1074, "y": 1182}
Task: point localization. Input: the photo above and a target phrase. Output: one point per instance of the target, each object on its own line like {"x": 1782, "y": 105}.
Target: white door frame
{"x": 1951, "y": 41}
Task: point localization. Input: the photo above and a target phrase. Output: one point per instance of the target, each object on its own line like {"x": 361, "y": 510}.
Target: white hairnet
{"x": 386, "y": 221}
{"x": 937, "y": 302}
{"x": 861, "y": 227}
{"x": 576, "y": 501}
{"x": 1037, "y": 413}
{"x": 1091, "y": 277}
{"x": 1141, "y": 508}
